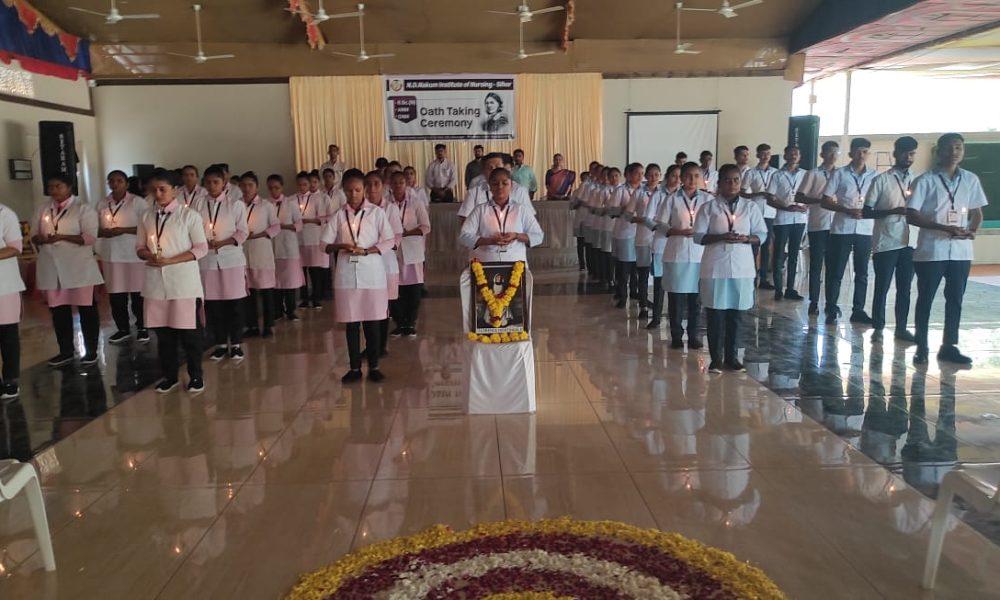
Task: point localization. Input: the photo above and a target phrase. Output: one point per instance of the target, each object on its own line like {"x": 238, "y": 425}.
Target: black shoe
{"x": 119, "y": 337}
{"x": 715, "y": 367}
{"x": 142, "y": 336}
{"x": 410, "y": 332}
{"x": 677, "y": 344}
{"x": 196, "y": 386}
{"x": 423, "y": 292}
{"x": 813, "y": 308}
{"x": 292, "y": 317}
{"x": 920, "y": 358}
{"x": 304, "y": 304}
{"x": 236, "y": 354}
{"x": 88, "y": 359}
{"x": 735, "y": 365}
{"x": 654, "y": 324}
{"x": 765, "y": 285}
{"x": 60, "y": 359}
{"x": 267, "y": 333}
{"x": 951, "y": 354}
{"x": 397, "y": 332}
{"x": 166, "y": 386}
{"x": 793, "y": 295}
{"x": 779, "y": 295}
{"x": 905, "y": 336}
{"x": 219, "y": 353}
{"x": 351, "y": 376}
{"x": 10, "y": 390}
{"x": 375, "y": 376}
{"x": 251, "y": 332}
{"x": 695, "y": 344}
{"x": 620, "y": 304}
{"x": 316, "y": 306}
{"x": 643, "y": 313}
{"x": 831, "y": 318}
{"x": 860, "y": 317}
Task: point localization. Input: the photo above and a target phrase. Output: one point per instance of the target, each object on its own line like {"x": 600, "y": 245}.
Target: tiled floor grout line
{"x": 371, "y": 484}
{"x": 503, "y": 489}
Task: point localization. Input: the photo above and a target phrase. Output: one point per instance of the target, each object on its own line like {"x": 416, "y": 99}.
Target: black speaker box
{"x": 57, "y": 151}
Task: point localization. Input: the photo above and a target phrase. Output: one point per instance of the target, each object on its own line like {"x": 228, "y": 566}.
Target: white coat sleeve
{"x": 701, "y": 221}
{"x": 757, "y": 226}
{"x": 532, "y": 228}
{"x": 469, "y": 234}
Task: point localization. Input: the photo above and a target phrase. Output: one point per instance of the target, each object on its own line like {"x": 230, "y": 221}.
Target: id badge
{"x": 354, "y": 258}
{"x": 502, "y": 249}
{"x": 953, "y": 218}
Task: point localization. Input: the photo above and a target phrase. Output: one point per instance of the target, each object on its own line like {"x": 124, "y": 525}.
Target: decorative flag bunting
{"x": 38, "y": 44}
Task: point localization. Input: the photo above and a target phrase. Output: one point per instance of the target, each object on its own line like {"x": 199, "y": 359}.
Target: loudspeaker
{"x": 143, "y": 171}
{"x": 804, "y": 132}
{"x": 57, "y": 151}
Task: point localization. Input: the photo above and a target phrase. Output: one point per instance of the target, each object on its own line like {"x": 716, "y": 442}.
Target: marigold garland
{"x": 401, "y": 562}
{"x": 497, "y": 304}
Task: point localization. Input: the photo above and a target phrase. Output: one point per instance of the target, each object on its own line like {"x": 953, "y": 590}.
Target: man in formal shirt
{"x": 709, "y": 176}
{"x": 755, "y": 183}
{"x": 946, "y": 204}
{"x": 741, "y": 154}
{"x": 789, "y": 222}
{"x": 524, "y": 174}
{"x": 850, "y": 232}
{"x": 334, "y": 164}
{"x": 440, "y": 177}
{"x": 820, "y": 219}
{"x": 475, "y": 166}
{"x": 892, "y": 242}
{"x": 681, "y": 159}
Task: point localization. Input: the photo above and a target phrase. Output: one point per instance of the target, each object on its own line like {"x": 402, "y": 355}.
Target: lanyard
{"x": 859, "y": 183}
{"x": 212, "y": 219}
{"x": 188, "y": 198}
{"x": 730, "y": 212}
{"x": 506, "y": 211}
{"x": 357, "y": 224}
{"x": 114, "y": 211}
{"x": 279, "y": 204}
{"x": 766, "y": 180}
{"x": 304, "y": 207}
{"x": 947, "y": 188}
{"x": 690, "y": 209}
{"x": 790, "y": 179}
{"x": 250, "y": 214}
{"x": 56, "y": 219}
{"x": 902, "y": 190}
{"x": 160, "y": 226}
{"x": 402, "y": 218}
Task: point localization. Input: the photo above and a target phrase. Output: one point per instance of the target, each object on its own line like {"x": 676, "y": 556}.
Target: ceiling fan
{"x": 521, "y": 54}
{"x": 362, "y": 55}
{"x": 321, "y": 15}
{"x": 113, "y": 15}
{"x": 200, "y": 57}
{"x": 525, "y": 14}
{"x": 727, "y": 10}
{"x": 685, "y": 47}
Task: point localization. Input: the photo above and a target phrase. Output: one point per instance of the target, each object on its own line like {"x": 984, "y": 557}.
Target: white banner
{"x": 449, "y": 107}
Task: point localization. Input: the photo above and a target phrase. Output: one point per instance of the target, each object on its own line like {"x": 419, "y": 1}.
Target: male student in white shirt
{"x": 946, "y": 204}
{"x": 709, "y": 176}
{"x": 820, "y": 219}
{"x": 850, "y": 232}
{"x": 440, "y": 176}
{"x": 892, "y": 242}
{"x": 755, "y": 184}
{"x": 335, "y": 164}
{"x": 789, "y": 222}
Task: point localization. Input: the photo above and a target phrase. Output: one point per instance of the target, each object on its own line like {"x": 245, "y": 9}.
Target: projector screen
{"x": 658, "y": 137}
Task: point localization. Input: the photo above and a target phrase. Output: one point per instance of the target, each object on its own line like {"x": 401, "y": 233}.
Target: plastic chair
{"x": 977, "y": 484}
{"x": 15, "y": 477}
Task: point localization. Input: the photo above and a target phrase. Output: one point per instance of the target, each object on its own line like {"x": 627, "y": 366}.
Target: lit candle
{"x": 47, "y": 227}
{"x": 155, "y": 244}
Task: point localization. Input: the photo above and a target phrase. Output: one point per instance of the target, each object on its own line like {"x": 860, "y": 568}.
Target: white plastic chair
{"x": 16, "y": 476}
{"x": 977, "y": 484}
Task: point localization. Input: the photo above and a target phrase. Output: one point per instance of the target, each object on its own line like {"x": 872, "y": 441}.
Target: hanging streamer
{"x": 38, "y": 44}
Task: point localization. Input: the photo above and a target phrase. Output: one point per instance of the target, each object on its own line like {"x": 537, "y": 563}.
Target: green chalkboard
{"x": 984, "y": 160}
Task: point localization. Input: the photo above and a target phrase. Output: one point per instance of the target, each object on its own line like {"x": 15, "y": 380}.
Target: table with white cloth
{"x": 558, "y": 251}
{"x": 498, "y": 379}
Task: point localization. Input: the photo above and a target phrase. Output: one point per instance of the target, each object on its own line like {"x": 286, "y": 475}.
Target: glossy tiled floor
{"x": 278, "y": 469}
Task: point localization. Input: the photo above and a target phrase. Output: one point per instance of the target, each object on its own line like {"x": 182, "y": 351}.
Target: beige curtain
{"x": 555, "y": 113}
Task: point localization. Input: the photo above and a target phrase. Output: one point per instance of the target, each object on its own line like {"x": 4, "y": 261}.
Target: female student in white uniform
{"x": 419, "y": 191}
{"x": 623, "y": 235}
{"x": 682, "y": 256}
{"x": 728, "y": 227}
{"x": 375, "y": 195}
{"x": 190, "y": 193}
{"x": 312, "y": 206}
{"x": 357, "y": 235}
{"x": 11, "y": 286}
{"x": 67, "y": 270}
{"x": 171, "y": 238}
{"x": 640, "y": 211}
{"x": 262, "y": 227}
{"x": 124, "y": 273}
{"x": 287, "y": 262}
{"x": 610, "y": 209}
{"x": 577, "y": 202}
{"x": 671, "y": 184}
{"x": 591, "y": 222}
{"x": 500, "y": 230}
{"x": 224, "y": 267}
{"x": 416, "y": 225}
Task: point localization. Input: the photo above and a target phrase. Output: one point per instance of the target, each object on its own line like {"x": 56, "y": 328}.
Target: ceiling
{"x": 976, "y": 55}
{"x": 622, "y": 37}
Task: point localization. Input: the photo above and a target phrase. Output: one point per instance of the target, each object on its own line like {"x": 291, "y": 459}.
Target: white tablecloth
{"x": 499, "y": 379}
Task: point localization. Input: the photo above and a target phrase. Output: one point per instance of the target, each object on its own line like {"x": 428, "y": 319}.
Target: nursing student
{"x": 820, "y": 219}
{"x": 419, "y": 192}
{"x": 892, "y": 240}
{"x": 639, "y": 210}
{"x": 659, "y": 243}
{"x": 262, "y": 227}
{"x": 947, "y": 205}
{"x": 501, "y": 230}
{"x": 190, "y": 193}
{"x": 755, "y": 182}
{"x": 124, "y": 272}
{"x": 623, "y": 236}
{"x": 358, "y": 234}
{"x": 610, "y": 209}
{"x": 312, "y": 207}
{"x": 591, "y": 208}
{"x": 288, "y": 275}
{"x": 11, "y": 286}
{"x": 171, "y": 239}
{"x": 789, "y": 223}
{"x": 416, "y": 225}
{"x": 728, "y": 227}
{"x": 577, "y": 202}
{"x": 850, "y": 233}
{"x": 67, "y": 271}
{"x": 375, "y": 195}
{"x": 224, "y": 268}
{"x": 682, "y": 256}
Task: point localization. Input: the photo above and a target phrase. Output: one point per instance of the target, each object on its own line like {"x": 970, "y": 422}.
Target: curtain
{"x": 555, "y": 113}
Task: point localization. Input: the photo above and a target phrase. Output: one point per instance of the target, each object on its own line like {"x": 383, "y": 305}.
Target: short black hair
{"x": 439, "y": 146}
{"x": 276, "y": 177}
{"x": 860, "y": 142}
{"x": 161, "y": 174}
{"x": 352, "y": 174}
{"x": 251, "y": 176}
{"x": 302, "y": 175}
{"x": 381, "y": 162}
{"x": 829, "y": 144}
{"x": 726, "y": 168}
{"x": 118, "y": 172}
{"x": 949, "y": 138}
{"x": 905, "y": 144}
{"x": 705, "y": 153}
{"x": 690, "y": 165}
{"x": 63, "y": 177}
{"x": 739, "y": 149}
{"x": 763, "y": 148}
{"x": 215, "y": 171}
{"x": 681, "y": 155}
